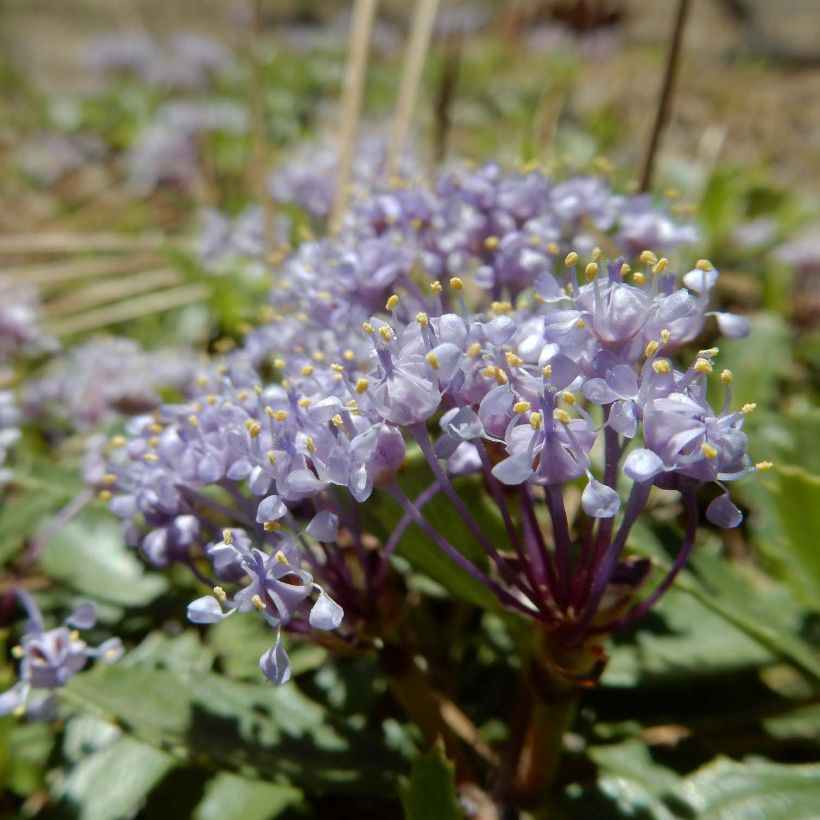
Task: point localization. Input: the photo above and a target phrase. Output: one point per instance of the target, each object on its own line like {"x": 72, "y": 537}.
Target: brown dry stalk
{"x": 414, "y": 58}
{"x": 364, "y": 13}
{"x": 144, "y": 305}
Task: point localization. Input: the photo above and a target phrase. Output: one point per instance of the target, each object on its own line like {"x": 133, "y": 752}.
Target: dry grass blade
{"x": 130, "y": 309}
{"x": 364, "y": 13}
{"x": 109, "y": 290}
{"x": 414, "y": 58}
{"x": 77, "y": 242}
{"x": 50, "y": 274}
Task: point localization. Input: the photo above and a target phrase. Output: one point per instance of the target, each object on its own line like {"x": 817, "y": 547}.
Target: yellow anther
{"x": 711, "y": 352}
{"x": 157, "y": 428}
{"x": 625, "y": 269}
{"x": 271, "y": 526}
{"x": 535, "y": 421}
{"x": 318, "y": 356}
{"x": 118, "y": 441}
{"x": 17, "y": 652}
{"x": 500, "y": 376}
{"x": 591, "y": 270}
{"x": 580, "y": 324}
{"x": 665, "y": 336}
{"x": 648, "y": 257}
{"x": 281, "y": 557}
{"x": 242, "y": 395}
{"x": 351, "y": 403}
{"x": 422, "y": 318}
{"x": 661, "y": 366}
{"x": 432, "y": 360}
{"x": 436, "y": 286}
{"x": 638, "y": 278}
{"x": 704, "y": 265}
{"x": 552, "y": 248}
{"x": 271, "y": 458}
{"x": 709, "y": 451}
{"x": 568, "y": 397}
{"x": 491, "y": 243}
{"x": 651, "y": 349}
{"x": 521, "y": 406}
{"x": 597, "y": 253}
{"x": 561, "y": 416}
{"x": 513, "y": 360}
{"x": 153, "y": 442}
{"x": 547, "y": 371}
{"x": 474, "y": 349}
{"x": 361, "y": 385}
{"x": 310, "y": 446}
{"x": 254, "y": 428}
{"x": 456, "y": 283}
{"x": 74, "y": 635}
{"x": 500, "y": 307}
{"x": 726, "y": 376}
{"x": 279, "y": 363}
{"x": 307, "y": 370}
{"x": 227, "y": 537}
{"x": 386, "y": 332}
{"x": 368, "y": 328}
{"x": 764, "y": 466}
{"x": 201, "y": 381}
{"x": 105, "y": 495}
{"x": 571, "y": 259}
{"x": 337, "y": 421}
{"x": 269, "y": 412}
{"x": 661, "y": 265}
{"x": 392, "y": 302}
{"x": 304, "y": 402}
{"x": 748, "y": 409}
{"x": 258, "y": 603}
{"x": 280, "y": 415}
{"x": 151, "y": 457}
{"x": 109, "y": 478}
{"x": 348, "y": 355}
{"x": 220, "y": 594}
{"x": 702, "y": 366}
{"x": 337, "y": 368}
{"x": 19, "y": 710}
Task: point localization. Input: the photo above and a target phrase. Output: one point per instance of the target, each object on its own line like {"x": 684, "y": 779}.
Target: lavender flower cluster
{"x": 460, "y": 312}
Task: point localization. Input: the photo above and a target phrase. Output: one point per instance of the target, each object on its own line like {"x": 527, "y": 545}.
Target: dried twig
{"x": 363, "y": 14}
{"x": 665, "y": 98}
{"x": 414, "y": 58}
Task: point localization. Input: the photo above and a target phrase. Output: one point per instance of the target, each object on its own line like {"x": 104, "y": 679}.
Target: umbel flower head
{"x": 565, "y": 373}
{"x": 48, "y": 658}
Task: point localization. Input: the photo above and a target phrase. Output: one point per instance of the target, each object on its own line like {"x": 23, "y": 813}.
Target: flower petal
{"x": 206, "y": 610}
{"x": 723, "y": 513}
{"x": 325, "y": 613}
{"x": 599, "y": 500}
{"x": 275, "y": 664}
{"x": 324, "y": 526}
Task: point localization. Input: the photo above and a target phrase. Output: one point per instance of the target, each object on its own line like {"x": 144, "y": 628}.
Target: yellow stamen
{"x": 726, "y": 376}
{"x": 432, "y": 360}
{"x": 348, "y": 355}
{"x": 591, "y": 270}
{"x": 521, "y": 406}
{"x": 625, "y": 269}
{"x": 337, "y": 368}
{"x": 258, "y": 603}
{"x": 422, "y": 318}
{"x": 474, "y": 349}
{"x": 651, "y": 349}
{"x": 561, "y": 416}
{"x": 491, "y": 243}
{"x": 763, "y": 466}
{"x": 501, "y": 307}
{"x": 271, "y": 526}
{"x": 568, "y": 397}
{"x": 456, "y": 283}
{"x": 368, "y": 328}
{"x": 648, "y": 257}
{"x": 304, "y": 403}
{"x": 152, "y": 457}
{"x": 105, "y": 495}
{"x": 337, "y": 421}
{"x": 665, "y": 336}
{"x": 386, "y": 332}
{"x": 309, "y": 444}
{"x": 702, "y": 366}
{"x": 392, "y": 302}
{"x": 280, "y": 557}
{"x": 747, "y": 409}
{"x": 704, "y": 265}
{"x": 362, "y": 385}
{"x": 638, "y": 278}
{"x": 436, "y": 287}
{"x": 596, "y": 253}
{"x": 280, "y": 415}
{"x": 547, "y": 371}
{"x": 307, "y": 370}
{"x": 220, "y": 594}
{"x": 571, "y": 259}
{"x": 513, "y": 360}
{"x": 535, "y": 421}
{"x": 661, "y": 265}
{"x": 709, "y": 451}
{"x": 661, "y": 366}
{"x": 254, "y": 428}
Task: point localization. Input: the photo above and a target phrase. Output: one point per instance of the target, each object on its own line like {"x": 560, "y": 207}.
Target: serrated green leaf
{"x": 112, "y": 783}
{"x": 273, "y": 732}
{"x": 89, "y": 556}
{"x": 228, "y": 796}
{"x": 431, "y": 792}
{"x": 756, "y": 788}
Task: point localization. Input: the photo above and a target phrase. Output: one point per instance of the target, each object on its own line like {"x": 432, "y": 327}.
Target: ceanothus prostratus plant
{"x": 458, "y": 326}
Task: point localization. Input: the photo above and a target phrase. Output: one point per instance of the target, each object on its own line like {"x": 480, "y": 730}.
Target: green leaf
{"x": 229, "y": 796}
{"x": 431, "y": 792}
{"x": 797, "y": 504}
{"x": 271, "y": 732}
{"x": 755, "y": 788}
{"x": 112, "y": 783}
{"x": 89, "y": 556}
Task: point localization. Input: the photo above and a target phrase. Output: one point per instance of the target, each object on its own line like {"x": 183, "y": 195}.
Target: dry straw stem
{"x": 364, "y": 13}
{"x": 24, "y": 243}
{"x": 414, "y": 59}
{"x": 104, "y": 291}
{"x": 667, "y": 90}
{"x": 54, "y": 274}
{"x": 144, "y": 305}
